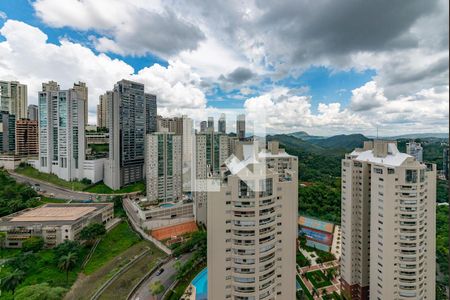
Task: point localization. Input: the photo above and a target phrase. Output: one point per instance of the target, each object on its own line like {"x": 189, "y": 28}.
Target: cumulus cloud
{"x": 32, "y": 60}
{"x": 367, "y": 97}
{"x": 134, "y": 27}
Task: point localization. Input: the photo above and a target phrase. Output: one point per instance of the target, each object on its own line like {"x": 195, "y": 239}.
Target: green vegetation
{"x": 321, "y": 200}
{"x": 442, "y": 240}
{"x": 101, "y": 188}
{"x": 332, "y": 296}
{"x": 442, "y": 191}
{"x": 305, "y": 289}
{"x": 92, "y": 232}
{"x": 15, "y": 196}
{"x": 33, "y": 173}
{"x": 40, "y": 291}
{"x": 322, "y": 256}
{"x": 33, "y": 244}
{"x": 318, "y": 279}
{"x": 302, "y": 261}
{"x": 115, "y": 242}
{"x": 179, "y": 289}
{"x": 99, "y": 148}
{"x": 156, "y": 288}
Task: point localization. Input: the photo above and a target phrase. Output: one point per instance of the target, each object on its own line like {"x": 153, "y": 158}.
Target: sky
{"x": 325, "y": 67}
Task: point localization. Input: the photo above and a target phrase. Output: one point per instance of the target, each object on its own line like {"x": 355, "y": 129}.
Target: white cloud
{"x": 3, "y": 15}
{"x": 367, "y": 97}
{"x": 28, "y": 57}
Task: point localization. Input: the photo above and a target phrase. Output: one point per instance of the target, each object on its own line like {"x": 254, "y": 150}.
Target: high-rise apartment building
{"x": 388, "y": 224}
{"x": 82, "y": 92}
{"x": 211, "y": 151}
{"x": 127, "y": 126}
{"x": 415, "y": 149}
{"x": 150, "y": 113}
{"x": 222, "y": 124}
{"x": 174, "y": 124}
{"x": 252, "y": 239}
{"x": 27, "y": 143}
{"x": 203, "y": 126}
{"x": 163, "y": 164}
{"x": 7, "y": 132}
{"x": 14, "y": 98}
{"x": 211, "y": 123}
{"x": 32, "y": 112}
{"x": 445, "y": 162}
{"x": 240, "y": 127}
{"x": 61, "y": 131}
{"x": 102, "y": 109}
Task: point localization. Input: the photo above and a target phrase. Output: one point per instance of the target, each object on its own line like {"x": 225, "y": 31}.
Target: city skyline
{"x": 393, "y": 77}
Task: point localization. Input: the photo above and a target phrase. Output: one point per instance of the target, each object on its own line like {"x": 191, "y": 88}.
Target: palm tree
{"x": 66, "y": 263}
{"x": 12, "y": 280}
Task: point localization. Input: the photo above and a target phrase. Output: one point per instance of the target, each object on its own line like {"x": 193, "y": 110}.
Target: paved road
{"x": 59, "y": 193}
{"x": 166, "y": 278}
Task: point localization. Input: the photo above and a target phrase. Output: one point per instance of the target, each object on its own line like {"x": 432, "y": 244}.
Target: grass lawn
{"x": 122, "y": 286}
{"x": 305, "y": 289}
{"x": 43, "y": 268}
{"x": 101, "y": 188}
{"x": 179, "y": 289}
{"x": 33, "y": 173}
{"x": 113, "y": 243}
{"x": 318, "y": 279}
{"x": 52, "y": 200}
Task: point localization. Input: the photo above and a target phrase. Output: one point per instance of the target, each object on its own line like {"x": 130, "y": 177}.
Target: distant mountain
{"x": 418, "y": 136}
{"x": 294, "y": 143}
{"x": 349, "y": 142}
{"x": 305, "y": 136}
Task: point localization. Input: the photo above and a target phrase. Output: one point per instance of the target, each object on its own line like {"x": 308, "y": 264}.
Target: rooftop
{"x": 393, "y": 157}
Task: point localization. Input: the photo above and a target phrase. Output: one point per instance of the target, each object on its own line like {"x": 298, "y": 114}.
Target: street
{"x": 166, "y": 278}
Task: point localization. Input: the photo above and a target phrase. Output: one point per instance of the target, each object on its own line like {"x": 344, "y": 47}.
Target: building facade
{"x": 55, "y": 222}
{"x": 222, "y": 124}
{"x": 163, "y": 164}
{"x": 82, "y": 93}
{"x": 14, "y": 98}
{"x": 27, "y": 141}
{"x": 388, "y": 224}
{"x": 102, "y": 109}
{"x": 252, "y": 241}
{"x": 127, "y": 126}
{"x": 32, "y": 112}
{"x": 151, "y": 113}
{"x": 7, "y": 132}
{"x": 240, "y": 126}
{"x": 415, "y": 149}
{"x": 61, "y": 131}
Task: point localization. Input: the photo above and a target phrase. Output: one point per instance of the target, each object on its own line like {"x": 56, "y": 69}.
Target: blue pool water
{"x": 201, "y": 285}
{"x": 166, "y": 205}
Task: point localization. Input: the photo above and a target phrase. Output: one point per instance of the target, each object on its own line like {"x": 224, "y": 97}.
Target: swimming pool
{"x": 201, "y": 285}
{"x": 165, "y": 205}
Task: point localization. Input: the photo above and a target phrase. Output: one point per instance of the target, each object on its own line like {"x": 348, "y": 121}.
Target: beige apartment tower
{"x": 388, "y": 224}
{"x": 253, "y": 232}
{"x": 14, "y": 98}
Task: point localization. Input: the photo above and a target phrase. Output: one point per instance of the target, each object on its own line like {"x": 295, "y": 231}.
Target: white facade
{"x": 388, "y": 224}
{"x": 93, "y": 169}
{"x": 14, "y": 98}
{"x": 252, "y": 238}
{"x": 61, "y": 132}
{"x": 163, "y": 164}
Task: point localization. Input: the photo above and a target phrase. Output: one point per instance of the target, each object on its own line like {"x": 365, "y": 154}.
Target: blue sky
{"x": 354, "y": 80}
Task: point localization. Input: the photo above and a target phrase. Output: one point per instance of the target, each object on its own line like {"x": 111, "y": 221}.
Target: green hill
{"x": 347, "y": 142}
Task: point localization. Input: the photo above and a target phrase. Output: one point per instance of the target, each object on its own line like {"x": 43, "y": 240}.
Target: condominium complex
{"x": 150, "y": 113}
{"x": 252, "y": 239}
{"x": 14, "y": 98}
{"x": 32, "y": 113}
{"x": 211, "y": 151}
{"x": 222, "y": 124}
{"x": 203, "y": 126}
{"x": 102, "y": 109}
{"x": 61, "y": 131}
{"x": 27, "y": 143}
{"x": 55, "y": 222}
{"x": 7, "y": 132}
{"x": 82, "y": 92}
{"x": 388, "y": 224}
{"x": 127, "y": 126}
{"x": 240, "y": 126}
{"x": 211, "y": 123}
{"x": 163, "y": 165}
{"x": 174, "y": 125}
{"x": 415, "y": 150}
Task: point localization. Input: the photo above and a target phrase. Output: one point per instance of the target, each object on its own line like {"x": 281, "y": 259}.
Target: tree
{"x": 91, "y": 232}
{"x": 33, "y": 244}
{"x": 2, "y": 242}
{"x": 21, "y": 262}
{"x": 156, "y": 288}
{"x": 41, "y": 291}
{"x": 65, "y": 248}
{"x": 67, "y": 263}
{"x": 12, "y": 280}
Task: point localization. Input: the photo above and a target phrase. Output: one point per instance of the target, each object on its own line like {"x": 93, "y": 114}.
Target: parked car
{"x": 160, "y": 271}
